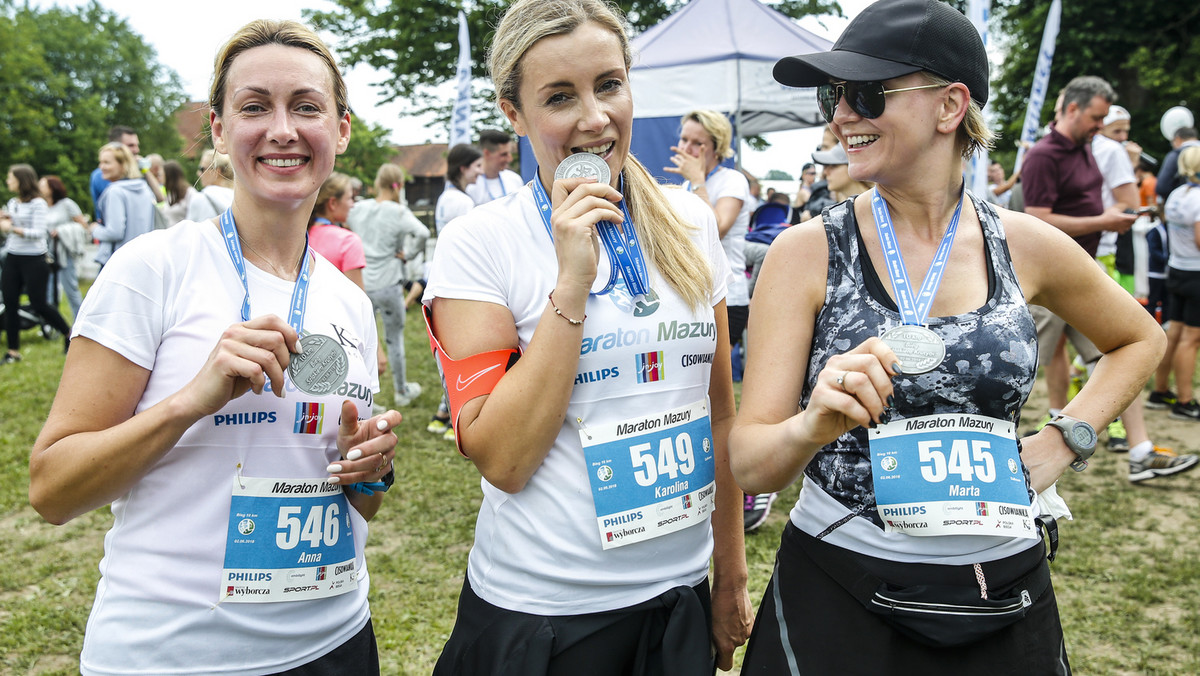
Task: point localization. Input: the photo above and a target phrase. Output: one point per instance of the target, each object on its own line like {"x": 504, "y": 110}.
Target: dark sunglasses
{"x": 864, "y": 98}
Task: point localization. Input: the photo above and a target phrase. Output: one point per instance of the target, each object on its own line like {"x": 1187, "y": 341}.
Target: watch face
{"x": 1083, "y": 435}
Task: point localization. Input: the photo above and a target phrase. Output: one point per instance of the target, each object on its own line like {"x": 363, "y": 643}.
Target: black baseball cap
{"x": 891, "y": 38}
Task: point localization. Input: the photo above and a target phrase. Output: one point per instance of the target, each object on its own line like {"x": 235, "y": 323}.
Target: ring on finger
{"x": 841, "y": 380}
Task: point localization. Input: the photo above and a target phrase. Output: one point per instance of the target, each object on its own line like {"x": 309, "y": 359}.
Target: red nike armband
{"x": 470, "y": 377}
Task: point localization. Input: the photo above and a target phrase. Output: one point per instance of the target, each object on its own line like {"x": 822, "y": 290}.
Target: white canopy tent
{"x": 715, "y": 54}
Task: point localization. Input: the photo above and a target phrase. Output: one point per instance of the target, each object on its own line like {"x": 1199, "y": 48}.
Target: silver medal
{"x": 321, "y": 368}
{"x": 584, "y": 165}
{"x": 918, "y": 349}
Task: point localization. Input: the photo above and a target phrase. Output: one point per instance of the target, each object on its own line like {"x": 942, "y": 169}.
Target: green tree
{"x": 369, "y": 148}
{"x": 66, "y": 76}
{"x": 1148, "y": 52}
{"x": 778, "y": 175}
{"x": 416, "y": 43}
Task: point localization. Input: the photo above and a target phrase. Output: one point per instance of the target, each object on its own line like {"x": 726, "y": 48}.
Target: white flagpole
{"x": 1041, "y": 80}
{"x": 978, "y": 12}
{"x": 460, "y": 121}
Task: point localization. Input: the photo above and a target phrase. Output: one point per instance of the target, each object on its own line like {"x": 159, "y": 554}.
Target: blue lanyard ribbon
{"x": 299, "y": 294}
{"x": 913, "y": 310}
{"x": 624, "y": 249}
{"x": 488, "y": 188}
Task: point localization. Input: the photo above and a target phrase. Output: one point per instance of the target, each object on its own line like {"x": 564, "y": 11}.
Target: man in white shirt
{"x": 497, "y": 180}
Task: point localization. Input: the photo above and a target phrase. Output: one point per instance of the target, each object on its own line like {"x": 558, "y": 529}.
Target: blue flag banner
{"x": 979, "y": 11}
{"x": 1041, "y": 81}
{"x": 460, "y": 121}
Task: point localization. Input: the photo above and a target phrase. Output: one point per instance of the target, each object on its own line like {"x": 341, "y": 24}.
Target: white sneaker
{"x": 411, "y": 391}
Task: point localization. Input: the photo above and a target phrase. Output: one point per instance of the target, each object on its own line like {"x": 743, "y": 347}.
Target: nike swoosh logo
{"x": 464, "y": 384}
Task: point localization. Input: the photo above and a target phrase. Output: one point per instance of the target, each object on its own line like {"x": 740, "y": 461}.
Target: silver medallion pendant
{"x": 321, "y": 368}
{"x": 918, "y": 349}
{"x": 584, "y": 165}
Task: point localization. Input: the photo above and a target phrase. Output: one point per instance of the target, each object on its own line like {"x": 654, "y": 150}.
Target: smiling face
{"x": 695, "y": 140}
{"x": 570, "y": 104}
{"x": 906, "y": 129}
{"x": 111, "y": 168}
{"x": 471, "y": 172}
{"x": 280, "y": 124}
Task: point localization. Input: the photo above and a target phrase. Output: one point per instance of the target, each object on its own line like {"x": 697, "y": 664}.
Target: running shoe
{"x": 438, "y": 426}
{"x": 1188, "y": 411}
{"x": 1118, "y": 440}
{"x": 1160, "y": 462}
{"x": 448, "y": 435}
{"x": 1161, "y": 400}
{"x": 411, "y": 391}
{"x": 756, "y": 508}
{"x": 9, "y": 358}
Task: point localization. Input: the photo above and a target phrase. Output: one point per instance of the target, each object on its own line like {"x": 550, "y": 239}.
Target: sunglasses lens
{"x": 866, "y": 98}
{"x": 827, "y": 98}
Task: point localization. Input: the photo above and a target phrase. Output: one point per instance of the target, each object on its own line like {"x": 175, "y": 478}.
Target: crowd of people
{"x": 886, "y": 323}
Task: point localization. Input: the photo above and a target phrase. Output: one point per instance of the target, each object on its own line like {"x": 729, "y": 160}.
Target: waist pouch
{"x": 938, "y": 615}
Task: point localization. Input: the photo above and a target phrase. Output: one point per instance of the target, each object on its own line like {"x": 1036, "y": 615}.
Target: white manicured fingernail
{"x": 354, "y": 455}
{"x": 299, "y": 347}
{"x": 334, "y": 468}
{"x": 334, "y": 479}
{"x": 382, "y": 425}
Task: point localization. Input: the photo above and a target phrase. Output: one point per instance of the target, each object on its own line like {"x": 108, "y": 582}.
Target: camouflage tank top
{"x": 991, "y": 352}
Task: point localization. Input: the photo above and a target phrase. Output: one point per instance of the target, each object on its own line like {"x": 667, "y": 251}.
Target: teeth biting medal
{"x": 584, "y": 165}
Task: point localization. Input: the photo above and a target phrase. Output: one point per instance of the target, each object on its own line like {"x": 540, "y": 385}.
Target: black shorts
{"x": 667, "y": 635}
{"x": 1183, "y": 296}
{"x": 358, "y": 655}
{"x": 739, "y": 315}
{"x": 809, "y": 624}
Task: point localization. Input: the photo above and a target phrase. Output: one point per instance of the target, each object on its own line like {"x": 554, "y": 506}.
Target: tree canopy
{"x": 66, "y": 76}
{"x": 1146, "y": 51}
{"x": 416, "y": 43}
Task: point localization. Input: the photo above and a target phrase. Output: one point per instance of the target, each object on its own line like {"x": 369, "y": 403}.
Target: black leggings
{"x": 28, "y": 273}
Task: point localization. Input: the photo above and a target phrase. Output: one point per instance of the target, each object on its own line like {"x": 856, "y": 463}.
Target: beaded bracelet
{"x": 574, "y": 322}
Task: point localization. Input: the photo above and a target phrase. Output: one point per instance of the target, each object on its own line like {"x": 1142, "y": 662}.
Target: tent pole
{"x": 737, "y": 116}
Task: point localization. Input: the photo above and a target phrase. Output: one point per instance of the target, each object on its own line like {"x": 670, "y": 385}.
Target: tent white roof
{"x": 718, "y": 54}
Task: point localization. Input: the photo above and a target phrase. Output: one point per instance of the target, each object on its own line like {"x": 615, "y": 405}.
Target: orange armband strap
{"x": 470, "y": 377}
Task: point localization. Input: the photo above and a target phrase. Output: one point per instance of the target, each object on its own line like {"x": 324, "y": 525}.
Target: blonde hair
{"x": 973, "y": 133}
{"x": 663, "y": 233}
{"x": 389, "y": 177}
{"x": 270, "y": 32}
{"x": 1189, "y": 162}
{"x": 218, "y": 162}
{"x": 123, "y": 157}
{"x": 717, "y": 127}
{"x": 334, "y": 187}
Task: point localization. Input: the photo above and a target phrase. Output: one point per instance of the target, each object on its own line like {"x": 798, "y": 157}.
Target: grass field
{"x": 1126, "y": 576}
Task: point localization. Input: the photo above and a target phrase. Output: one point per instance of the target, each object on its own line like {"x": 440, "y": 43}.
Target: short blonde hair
{"x": 334, "y": 187}
{"x": 123, "y": 157}
{"x": 718, "y": 128}
{"x": 1189, "y": 162}
{"x": 269, "y": 32}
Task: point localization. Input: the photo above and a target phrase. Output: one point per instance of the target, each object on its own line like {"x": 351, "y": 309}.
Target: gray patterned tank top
{"x": 991, "y": 352}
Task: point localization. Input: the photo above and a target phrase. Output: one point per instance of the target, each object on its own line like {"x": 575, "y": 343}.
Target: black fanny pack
{"x": 938, "y": 615}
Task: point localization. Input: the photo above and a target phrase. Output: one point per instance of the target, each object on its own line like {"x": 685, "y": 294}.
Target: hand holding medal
{"x": 247, "y": 356}
{"x": 854, "y": 388}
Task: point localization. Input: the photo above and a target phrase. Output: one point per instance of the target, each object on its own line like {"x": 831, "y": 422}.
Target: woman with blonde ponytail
{"x": 595, "y": 398}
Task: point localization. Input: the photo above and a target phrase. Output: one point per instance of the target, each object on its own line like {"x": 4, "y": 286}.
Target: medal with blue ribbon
{"x": 624, "y": 250}
{"x": 919, "y": 349}
{"x": 323, "y": 365}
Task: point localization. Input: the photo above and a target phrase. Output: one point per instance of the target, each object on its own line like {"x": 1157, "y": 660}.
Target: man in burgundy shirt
{"x": 1063, "y": 186}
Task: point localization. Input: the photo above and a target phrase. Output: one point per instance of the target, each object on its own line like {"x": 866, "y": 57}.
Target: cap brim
{"x": 811, "y": 70}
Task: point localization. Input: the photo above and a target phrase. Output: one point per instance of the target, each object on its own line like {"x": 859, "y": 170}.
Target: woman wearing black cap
{"x": 913, "y": 540}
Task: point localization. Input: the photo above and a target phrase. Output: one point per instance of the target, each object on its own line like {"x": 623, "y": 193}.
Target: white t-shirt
{"x": 1183, "y": 212}
{"x": 726, "y": 182}
{"x": 451, "y": 204}
{"x": 210, "y": 203}
{"x": 162, "y": 302}
{"x": 538, "y": 551}
{"x": 1114, "y": 165}
{"x": 485, "y": 189}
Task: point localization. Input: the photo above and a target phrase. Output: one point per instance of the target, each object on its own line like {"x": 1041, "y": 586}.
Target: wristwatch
{"x": 1080, "y": 438}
